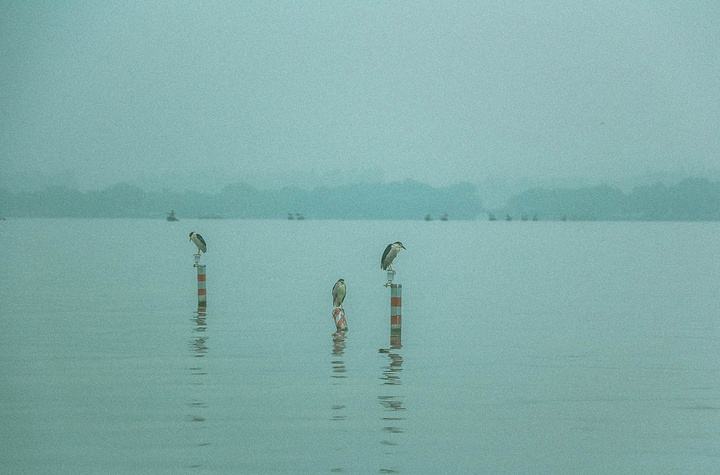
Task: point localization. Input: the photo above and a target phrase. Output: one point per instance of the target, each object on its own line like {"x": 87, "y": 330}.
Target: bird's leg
{"x": 390, "y": 275}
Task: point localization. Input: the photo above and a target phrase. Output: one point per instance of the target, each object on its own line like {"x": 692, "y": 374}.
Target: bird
{"x": 198, "y": 241}
{"x": 338, "y": 293}
{"x": 391, "y": 251}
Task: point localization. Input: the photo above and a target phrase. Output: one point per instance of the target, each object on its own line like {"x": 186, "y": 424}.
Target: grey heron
{"x": 388, "y": 256}
{"x": 338, "y": 293}
{"x": 198, "y": 241}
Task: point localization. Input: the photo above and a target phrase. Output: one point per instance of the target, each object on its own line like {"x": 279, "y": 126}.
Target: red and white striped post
{"x": 201, "y": 279}
{"x": 395, "y": 315}
{"x": 395, "y": 310}
{"x": 202, "y": 291}
{"x": 339, "y": 317}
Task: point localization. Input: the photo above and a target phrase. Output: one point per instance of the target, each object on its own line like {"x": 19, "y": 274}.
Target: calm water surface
{"x": 526, "y": 348}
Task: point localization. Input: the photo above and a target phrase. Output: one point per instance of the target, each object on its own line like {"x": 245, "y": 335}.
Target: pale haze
{"x": 188, "y": 94}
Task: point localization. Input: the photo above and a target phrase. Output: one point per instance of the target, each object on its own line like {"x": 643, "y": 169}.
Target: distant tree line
{"x": 693, "y": 199}
{"x": 401, "y": 200}
{"x": 690, "y": 200}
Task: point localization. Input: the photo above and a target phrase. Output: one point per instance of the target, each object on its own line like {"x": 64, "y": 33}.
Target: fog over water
{"x": 560, "y": 345}
{"x": 200, "y": 95}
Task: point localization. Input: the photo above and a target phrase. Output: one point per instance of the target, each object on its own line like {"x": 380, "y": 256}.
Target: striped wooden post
{"x": 339, "y": 317}
{"x": 202, "y": 291}
{"x": 395, "y": 315}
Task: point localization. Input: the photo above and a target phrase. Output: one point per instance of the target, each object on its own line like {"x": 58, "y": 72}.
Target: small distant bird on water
{"x": 338, "y": 293}
{"x": 391, "y": 251}
{"x": 198, "y": 241}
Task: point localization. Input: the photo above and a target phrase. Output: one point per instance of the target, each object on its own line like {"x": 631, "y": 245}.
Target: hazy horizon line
{"x": 17, "y": 182}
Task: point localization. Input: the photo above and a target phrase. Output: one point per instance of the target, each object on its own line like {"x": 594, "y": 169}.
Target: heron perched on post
{"x": 198, "y": 241}
{"x": 388, "y": 256}
{"x": 338, "y": 293}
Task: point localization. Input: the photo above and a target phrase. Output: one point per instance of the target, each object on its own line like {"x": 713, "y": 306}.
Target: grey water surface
{"x": 527, "y": 347}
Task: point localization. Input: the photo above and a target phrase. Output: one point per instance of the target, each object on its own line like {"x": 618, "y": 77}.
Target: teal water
{"x": 527, "y": 347}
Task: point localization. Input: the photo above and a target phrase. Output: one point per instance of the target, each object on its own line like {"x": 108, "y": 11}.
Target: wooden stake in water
{"x": 395, "y": 315}
{"x": 202, "y": 291}
{"x": 339, "y": 318}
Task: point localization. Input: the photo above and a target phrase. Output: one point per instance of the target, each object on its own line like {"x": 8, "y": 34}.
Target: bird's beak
{"x": 403, "y": 247}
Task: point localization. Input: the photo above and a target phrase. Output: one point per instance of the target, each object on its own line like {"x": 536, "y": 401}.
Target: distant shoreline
{"x": 693, "y": 199}
{"x": 436, "y": 222}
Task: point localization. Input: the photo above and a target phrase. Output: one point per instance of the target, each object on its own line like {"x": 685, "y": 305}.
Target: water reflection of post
{"x": 338, "y": 350}
{"x": 198, "y": 375}
{"x": 391, "y": 401}
{"x": 339, "y": 413}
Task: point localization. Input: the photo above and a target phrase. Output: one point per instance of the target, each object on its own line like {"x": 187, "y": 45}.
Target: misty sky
{"x": 272, "y": 92}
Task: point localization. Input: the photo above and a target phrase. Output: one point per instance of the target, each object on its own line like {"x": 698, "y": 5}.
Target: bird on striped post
{"x": 389, "y": 255}
{"x": 199, "y": 242}
{"x": 338, "y": 293}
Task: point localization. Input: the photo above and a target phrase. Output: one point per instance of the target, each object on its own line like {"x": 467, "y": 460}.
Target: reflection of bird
{"x": 391, "y": 251}
{"x": 338, "y": 293}
{"x": 198, "y": 241}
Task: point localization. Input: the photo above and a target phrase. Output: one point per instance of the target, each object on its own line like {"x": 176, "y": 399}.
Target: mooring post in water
{"x": 202, "y": 291}
{"x": 339, "y": 317}
{"x": 395, "y": 314}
